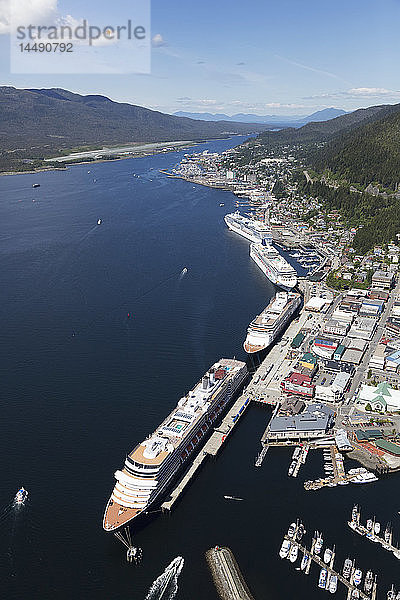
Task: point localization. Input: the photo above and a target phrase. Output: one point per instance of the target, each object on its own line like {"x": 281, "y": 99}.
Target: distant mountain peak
{"x": 293, "y": 120}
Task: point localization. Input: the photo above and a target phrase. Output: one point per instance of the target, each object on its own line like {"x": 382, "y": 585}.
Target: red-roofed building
{"x": 297, "y": 383}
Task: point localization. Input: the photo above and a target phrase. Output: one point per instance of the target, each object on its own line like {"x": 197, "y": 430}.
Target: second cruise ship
{"x": 273, "y": 265}
{"x": 151, "y": 467}
{"x": 266, "y": 326}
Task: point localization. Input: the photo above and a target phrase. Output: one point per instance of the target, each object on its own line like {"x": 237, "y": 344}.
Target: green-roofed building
{"x": 381, "y": 398}
{"x": 298, "y": 340}
{"x": 387, "y": 446}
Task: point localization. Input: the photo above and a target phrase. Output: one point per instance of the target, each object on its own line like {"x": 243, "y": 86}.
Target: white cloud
{"x": 360, "y": 93}
{"x": 26, "y": 11}
{"x": 374, "y": 91}
{"x": 158, "y": 41}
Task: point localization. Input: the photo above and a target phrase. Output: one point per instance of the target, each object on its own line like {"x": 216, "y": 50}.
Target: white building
{"x": 382, "y": 398}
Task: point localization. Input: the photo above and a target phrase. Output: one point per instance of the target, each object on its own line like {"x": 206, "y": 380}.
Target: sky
{"x": 262, "y": 57}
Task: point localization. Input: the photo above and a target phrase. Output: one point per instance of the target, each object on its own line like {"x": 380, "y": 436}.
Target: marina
{"x": 292, "y": 548}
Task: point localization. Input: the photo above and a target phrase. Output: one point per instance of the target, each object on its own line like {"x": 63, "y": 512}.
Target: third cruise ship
{"x": 265, "y": 327}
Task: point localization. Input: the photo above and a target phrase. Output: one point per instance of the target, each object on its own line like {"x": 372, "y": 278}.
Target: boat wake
{"x": 165, "y": 587}
{"x": 183, "y": 273}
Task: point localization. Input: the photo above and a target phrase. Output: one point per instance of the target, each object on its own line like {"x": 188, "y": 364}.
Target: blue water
{"x": 82, "y": 383}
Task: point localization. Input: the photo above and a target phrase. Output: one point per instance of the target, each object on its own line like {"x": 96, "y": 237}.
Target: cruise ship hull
{"x": 261, "y": 335}
{"x": 134, "y": 493}
{"x": 288, "y": 284}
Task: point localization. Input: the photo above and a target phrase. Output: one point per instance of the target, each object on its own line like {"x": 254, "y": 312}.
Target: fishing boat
{"x": 322, "y": 578}
{"x": 21, "y": 496}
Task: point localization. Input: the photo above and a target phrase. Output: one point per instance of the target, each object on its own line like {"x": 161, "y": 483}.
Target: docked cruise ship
{"x": 273, "y": 265}
{"x": 266, "y": 326}
{"x": 251, "y": 229}
{"x": 151, "y": 467}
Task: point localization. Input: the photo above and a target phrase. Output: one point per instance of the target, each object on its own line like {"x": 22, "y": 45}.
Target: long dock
{"x": 211, "y": 448}
{"x": 226, "y": 574}
{"x": 370, "y": 535}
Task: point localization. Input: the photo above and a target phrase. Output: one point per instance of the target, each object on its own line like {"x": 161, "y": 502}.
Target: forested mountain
{"x": 369, "y": 154}
{"x": 38, "y": 123}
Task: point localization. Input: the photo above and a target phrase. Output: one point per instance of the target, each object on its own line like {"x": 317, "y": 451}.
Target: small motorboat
{"x": 357, "y": 576}
{"x": 369, "y": 525}
{"x": 233, "y": 498}
{"x": 328, "y": 556}
{"x": 291, "y": 530}
{"x": 304, "y": 561}
{"x": 322, "y": 578}
{"x": 99, "y": 221}
{"x": 333, "y": 584}
{"x": 284, "y": 551}
{"x": 318, "y": 544}
{"x": 293, "y": 554}
{"x": 35, "y": 185}
{"x": 368, "y": 583}
{"x": 21, "y": 496}
{"x": 391, "y": 595}
{"x": 355, "y": 595}
{"x": 300, "y": 532}
{"x": 377, "y": 528}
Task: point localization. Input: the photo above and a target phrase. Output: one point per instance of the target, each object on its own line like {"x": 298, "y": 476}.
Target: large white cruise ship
{"x": 266, "y": 326}
{"x": 251, "y": 229}
{"x": 150, "y": 468}
{"x": 273, "y": 265}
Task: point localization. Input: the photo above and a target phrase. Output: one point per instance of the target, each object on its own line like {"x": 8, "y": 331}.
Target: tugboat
{"x": 347, "y": 568}
{"x": 21, "y": 496}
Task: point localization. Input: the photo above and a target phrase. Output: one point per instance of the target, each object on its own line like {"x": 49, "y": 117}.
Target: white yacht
{"x": 251, "y": 229}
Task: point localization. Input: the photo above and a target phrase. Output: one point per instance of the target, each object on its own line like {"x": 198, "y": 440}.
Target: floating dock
{"x": 370, "y": 535}
{"x": 226, "y": 574}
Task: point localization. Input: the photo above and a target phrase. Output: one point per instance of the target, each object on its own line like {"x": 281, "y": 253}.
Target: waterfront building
{"x": 315, "y": 421}
{"x": 298, "y": 383}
